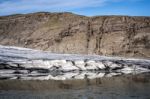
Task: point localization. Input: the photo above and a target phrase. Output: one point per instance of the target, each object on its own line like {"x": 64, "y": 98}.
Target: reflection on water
{"x": 119, "y": 87}
{"x": 60, "y": 76}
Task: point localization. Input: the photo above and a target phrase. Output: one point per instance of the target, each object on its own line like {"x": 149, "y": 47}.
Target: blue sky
{"x": 82, "y": 7}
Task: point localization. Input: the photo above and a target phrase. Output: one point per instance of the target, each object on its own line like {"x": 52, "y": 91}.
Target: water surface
{"x": 132, "y": 86}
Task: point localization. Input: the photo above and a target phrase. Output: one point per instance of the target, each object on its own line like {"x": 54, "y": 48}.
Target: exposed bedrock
{"x": 75, "y": 34}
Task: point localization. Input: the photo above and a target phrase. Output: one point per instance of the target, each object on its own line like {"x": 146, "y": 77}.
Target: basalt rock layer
{"x": 75, "y": 34}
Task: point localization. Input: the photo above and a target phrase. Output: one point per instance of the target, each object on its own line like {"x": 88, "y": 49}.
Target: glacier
{"x": 29, "y": 64}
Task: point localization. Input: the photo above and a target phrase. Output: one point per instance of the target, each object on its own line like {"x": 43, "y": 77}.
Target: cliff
{"x": 75, "y": 34}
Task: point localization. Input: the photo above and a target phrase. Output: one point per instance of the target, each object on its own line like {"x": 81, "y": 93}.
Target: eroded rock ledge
{"x": 20, "y": 62}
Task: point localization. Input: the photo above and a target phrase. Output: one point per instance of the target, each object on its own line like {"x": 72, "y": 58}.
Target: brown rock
{"x": 70, "y": 33}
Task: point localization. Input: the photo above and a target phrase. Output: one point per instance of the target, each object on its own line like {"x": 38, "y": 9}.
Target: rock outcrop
{"x": 75, "y": 34}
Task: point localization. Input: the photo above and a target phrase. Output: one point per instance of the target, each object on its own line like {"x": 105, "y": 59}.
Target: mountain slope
{"x": 69, "y": 33}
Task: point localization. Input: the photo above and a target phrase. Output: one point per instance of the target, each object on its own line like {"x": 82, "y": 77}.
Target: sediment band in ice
{"x": 21, "y": 61}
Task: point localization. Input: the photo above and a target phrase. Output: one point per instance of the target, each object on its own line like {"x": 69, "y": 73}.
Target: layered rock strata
{"x": 75, "y": 34}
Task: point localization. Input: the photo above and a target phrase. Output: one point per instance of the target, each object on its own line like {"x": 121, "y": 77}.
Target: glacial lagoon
{"x": 131, "y": 86}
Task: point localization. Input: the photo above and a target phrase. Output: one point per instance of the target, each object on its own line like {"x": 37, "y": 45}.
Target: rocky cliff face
{"x": 69, "y": 33}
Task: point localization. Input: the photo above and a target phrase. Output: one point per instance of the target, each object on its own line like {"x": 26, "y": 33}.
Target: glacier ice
{"x": 16, "y": 61}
